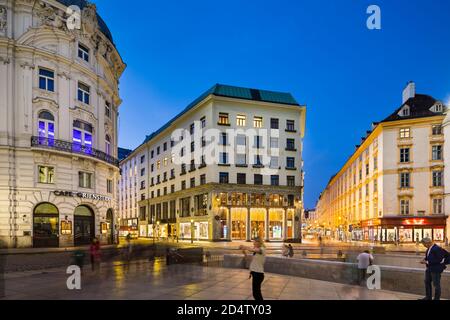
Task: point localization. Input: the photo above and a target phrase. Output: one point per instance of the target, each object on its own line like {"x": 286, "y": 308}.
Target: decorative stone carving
{"x": 3, "y": 21}
{"x": 89, "y": 18}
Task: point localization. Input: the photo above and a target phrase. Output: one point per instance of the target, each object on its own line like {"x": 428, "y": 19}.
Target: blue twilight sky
{"x": 320, "y": 51}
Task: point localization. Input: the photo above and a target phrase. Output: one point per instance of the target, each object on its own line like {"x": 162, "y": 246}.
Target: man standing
{"x": 435, "y": 261}
{"x": 365, "y": 259}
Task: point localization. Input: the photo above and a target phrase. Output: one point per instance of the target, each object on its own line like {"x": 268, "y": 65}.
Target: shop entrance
{"x": 258, "y": 223}
{"x": 84, "y": 226}
{"x": 110, "y": 222}
{"x": 45, "y": 226}
{"x": 276, "y": 223}
{"x": 238, "y": 223}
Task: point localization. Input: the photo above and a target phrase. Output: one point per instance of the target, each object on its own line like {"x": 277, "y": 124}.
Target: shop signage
{"x": 83, "y": 195}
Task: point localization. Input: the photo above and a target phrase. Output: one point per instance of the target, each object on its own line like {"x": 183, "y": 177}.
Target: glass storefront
{"x": 185, "y": 230}
{"x": 405, "y": 235}
{"x": 143, "y": 231}
{"x": 238, "y": 223}
{"x": 201, "y": 230}
{"x": 276, "y": 224}
{"x": 223, "y": 213}
{"x": 290, "y": 224}
{"x": 163, "y": 230}
{"x": 150, "y": 231}
{"x": 257, "y": 223}
{"x": 45, "y": 226}
{"x": 438, "y": 234}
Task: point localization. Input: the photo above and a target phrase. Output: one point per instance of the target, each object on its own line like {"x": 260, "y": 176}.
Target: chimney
{"x": 409, "y": 91}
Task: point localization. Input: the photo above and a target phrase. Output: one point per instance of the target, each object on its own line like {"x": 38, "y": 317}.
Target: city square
{"x": 162, "y": 171}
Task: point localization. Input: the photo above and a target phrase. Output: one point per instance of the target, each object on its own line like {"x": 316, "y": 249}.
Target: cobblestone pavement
{"x": 145, "y": 280}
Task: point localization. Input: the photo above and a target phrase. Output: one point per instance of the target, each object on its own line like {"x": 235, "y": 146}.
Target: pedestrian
{"x": 365, "y": 259}
{"x": 435, "y": 260}
{"x": 257, "y": 266}
{"x": 291, "y": 251}
{"x": 129, "y": 249}
{"x": 94, "y": 251}
{"x": 285, "y": 252}
{"x": 78, "y": 258}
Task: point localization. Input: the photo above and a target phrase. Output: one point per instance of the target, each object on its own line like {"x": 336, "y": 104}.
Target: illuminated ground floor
{"x": 230, "y": 213}
{"x": 395, "y": 230}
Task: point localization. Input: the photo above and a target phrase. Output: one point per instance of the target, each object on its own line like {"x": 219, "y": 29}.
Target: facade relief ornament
{"x": 89, "y": 18}
{"x": 3, "y": 21}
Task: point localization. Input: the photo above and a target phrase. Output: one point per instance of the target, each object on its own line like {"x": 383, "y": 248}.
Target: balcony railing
{"x": 66, "y": 146}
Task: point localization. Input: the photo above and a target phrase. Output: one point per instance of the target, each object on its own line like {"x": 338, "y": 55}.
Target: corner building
{"x": 59, "y": 101}
{"x": 171, "y": 192}
{"x": 393, "y": 188}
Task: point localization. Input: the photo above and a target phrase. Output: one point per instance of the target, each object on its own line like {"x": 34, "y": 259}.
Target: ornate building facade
{"x": 59, "y": 101}
{"x": 393, "y": 188}
{"x": 228, "y": 167}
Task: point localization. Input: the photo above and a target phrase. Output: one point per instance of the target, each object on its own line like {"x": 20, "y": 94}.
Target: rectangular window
{"x": 143, "y": 184}
{"x": 290, "y": 144}
{"x": 275, "y": 180}
{"x": 274, "y": 163}
{"x": 290, "y": 163}
{"x": 273, "y": 143}
{"x": 375, "y": 163}
{"x": 438, "y": 206}
{"x": 192, "y": 128}
{"x": 241, "y": 159}
{"x": 241, "y": 140}
{"x": 142, "y": 172}
{"x": 258, "y": 142}
{"x": 152, "y": 154}
{"x": 437, "y": 178}
{"x": 172, "y": 188}
{"x": 290, "y": 125}
{"x": 241, "y": 120}
{"x": 165, "y": 146}
{"x": 142, "y": 159}
{"x": 405, "y": 133}
{"x": 404, "y": 207}
{"x": 46, "y": 80}
{"x": 158, "y": 150}
{"x": 437, "y": 130}
{"x": 223, "y": 138}
{"x": 223, "y": 119}
{"x": 107, "y": 110}
{"x": 404, "y": 180}
{"x": 404, "y": 155}
{"x": 241, "y": 178}
{"x": 183, "y": 185}
{"x": 223, "y": 177}
{"x": 85, "y": 180}
{"x": 274, "y": 123}
{"x": 192, "y": 146}
{"x": 258, "y": 179}
{"x": 203, "y": 122}
{"x": 291, "y": 181}
{"x": 109, "y": 186}
{"x": 83, "y": 52}
{"x": 46, "y": 174}
{"x": 258, "y": 160}
{"x": 223, "y": 158}
{"x": 202, "y": 179}
{"x": 192, "y": 183}
{"x": 436, "y": 152}
{"x": 84, "y": 93}
{"x": 257, "y": 122}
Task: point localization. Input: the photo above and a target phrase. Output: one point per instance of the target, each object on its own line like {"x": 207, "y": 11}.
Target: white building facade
{"x": 392, "y": 189}
{"x": 59, "y": 102}
{"x": 229, "y": 167}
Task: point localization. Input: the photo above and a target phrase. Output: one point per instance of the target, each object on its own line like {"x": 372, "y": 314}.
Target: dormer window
{"x": 405, "y": 112}
{"x": 83, "y": 52}
{"x": 438, "y": 107}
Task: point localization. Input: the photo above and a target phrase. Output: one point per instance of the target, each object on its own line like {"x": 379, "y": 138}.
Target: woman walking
{"x": 94, "y": 250}
{"x": 257, "y": 266}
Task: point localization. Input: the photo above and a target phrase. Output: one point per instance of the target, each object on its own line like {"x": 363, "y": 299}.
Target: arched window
{"x": 45, "y": 226}
{"x": 82, "y": 137}
{"x": 108, "y": 145}
{"x": 46, "y": 128}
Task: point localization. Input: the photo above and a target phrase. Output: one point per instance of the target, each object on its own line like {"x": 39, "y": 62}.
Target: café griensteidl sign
{"x": 83, "y": 195}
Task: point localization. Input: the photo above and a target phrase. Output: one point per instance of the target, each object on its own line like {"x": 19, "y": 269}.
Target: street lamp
{"x": 192, "y": 230}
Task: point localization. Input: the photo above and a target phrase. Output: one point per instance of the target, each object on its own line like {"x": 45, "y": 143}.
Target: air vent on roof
{"x": 255, "y": 94}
